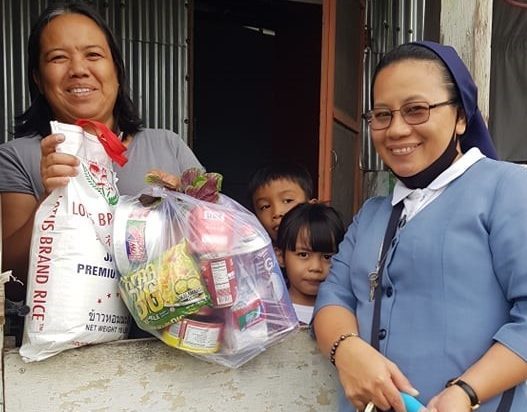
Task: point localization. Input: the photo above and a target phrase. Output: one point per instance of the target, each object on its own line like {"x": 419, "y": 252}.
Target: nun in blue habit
{"x": 427, "y": 294}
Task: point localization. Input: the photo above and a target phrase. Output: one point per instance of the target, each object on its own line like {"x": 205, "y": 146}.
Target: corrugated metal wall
{"x": 389, "y": 24}
{"x": 152, "y": 35}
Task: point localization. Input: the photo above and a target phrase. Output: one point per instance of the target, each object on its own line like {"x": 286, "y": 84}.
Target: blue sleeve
{"x": 337, "y": 288}
{"x": 508, "y": 243}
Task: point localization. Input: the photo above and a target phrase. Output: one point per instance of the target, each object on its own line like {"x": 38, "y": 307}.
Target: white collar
{"x": 455, "y": 170}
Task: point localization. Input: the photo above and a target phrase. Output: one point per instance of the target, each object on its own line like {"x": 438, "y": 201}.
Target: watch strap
{"x": 471, "y": 393}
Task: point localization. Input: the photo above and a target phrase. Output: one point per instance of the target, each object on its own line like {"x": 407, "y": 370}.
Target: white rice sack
{"x": 73, "y": 286}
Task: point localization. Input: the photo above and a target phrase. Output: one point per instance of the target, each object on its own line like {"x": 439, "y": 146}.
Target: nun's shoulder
{"x": 500, "y": 169}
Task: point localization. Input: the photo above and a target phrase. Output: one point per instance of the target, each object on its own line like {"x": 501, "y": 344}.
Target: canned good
{"x": 246, "y": 326}
{"x": 170, "y": 335}
{"x": 211, "y": 232}
{"x": 246, "y": 315}
{"x": 200, "y": 336}
{"x": 138, "y": 235}
{"x": 220, "y": 279}
{"x": 249, "y": 237}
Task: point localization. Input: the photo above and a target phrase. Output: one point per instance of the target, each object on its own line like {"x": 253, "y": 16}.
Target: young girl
{"x": 308, "y": 237}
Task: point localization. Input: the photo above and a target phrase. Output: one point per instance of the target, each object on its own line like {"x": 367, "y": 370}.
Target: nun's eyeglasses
{"x": 413, "y": 113}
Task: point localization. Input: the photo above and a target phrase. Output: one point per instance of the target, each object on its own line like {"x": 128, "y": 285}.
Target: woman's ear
{"x": 313, "y": 201}
{"x": 461, "y": 122}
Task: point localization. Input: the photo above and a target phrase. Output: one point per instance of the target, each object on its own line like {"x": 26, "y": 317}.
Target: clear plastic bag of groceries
{"x": 201, "y": 276}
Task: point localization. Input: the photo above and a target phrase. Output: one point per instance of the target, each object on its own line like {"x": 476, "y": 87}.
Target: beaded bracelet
{"x": 336, "y": 344}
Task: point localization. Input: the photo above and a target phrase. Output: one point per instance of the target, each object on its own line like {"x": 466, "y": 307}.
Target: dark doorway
{"x": 256, "y": 94}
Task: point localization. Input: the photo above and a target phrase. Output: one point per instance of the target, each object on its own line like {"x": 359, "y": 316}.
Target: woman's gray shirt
{"x": 149, "y": 149}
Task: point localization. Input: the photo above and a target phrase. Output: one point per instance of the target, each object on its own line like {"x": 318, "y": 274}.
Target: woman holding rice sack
{"x": 75, "y": 71}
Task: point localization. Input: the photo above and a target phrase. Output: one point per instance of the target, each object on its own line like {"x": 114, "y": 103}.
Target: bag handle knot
{"x": 111, "y": 143}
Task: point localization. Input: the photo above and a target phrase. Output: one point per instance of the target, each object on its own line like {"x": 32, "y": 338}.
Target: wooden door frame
{"x": 327, "y": 85}
{"x": 329, "y": 113}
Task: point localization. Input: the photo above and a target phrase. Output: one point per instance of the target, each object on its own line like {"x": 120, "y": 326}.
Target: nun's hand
{"x": 368, "y": 376}
{"x": 451, "y": 399}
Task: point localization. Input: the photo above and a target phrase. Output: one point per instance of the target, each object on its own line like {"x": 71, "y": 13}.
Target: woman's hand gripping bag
{"x": 73, "y": 286}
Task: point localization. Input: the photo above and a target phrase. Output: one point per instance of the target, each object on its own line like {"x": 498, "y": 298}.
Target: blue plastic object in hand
{"x": 412, "y": 404}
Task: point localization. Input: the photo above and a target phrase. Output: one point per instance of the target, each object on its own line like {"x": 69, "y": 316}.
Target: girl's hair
{"x": 321, "y": 224}
{"x": 411, "y": 51}
{"x": 36, "y": 118}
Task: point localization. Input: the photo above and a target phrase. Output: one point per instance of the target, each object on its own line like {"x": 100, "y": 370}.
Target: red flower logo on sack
{"x": 102, "y": 180}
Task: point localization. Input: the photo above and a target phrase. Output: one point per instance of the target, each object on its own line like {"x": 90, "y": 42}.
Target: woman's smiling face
{"x": 77, "y": 74}
{"x": 407, "y": 149}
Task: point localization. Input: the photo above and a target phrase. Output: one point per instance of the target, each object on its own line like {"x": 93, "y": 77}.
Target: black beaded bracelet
{"x": 471, "y": 393}
{"x": 336, "y": 344}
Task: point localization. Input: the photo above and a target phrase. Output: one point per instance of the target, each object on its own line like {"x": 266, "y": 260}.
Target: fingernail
{"x": 60, "y": 138}
{"x": 413, "y": 392}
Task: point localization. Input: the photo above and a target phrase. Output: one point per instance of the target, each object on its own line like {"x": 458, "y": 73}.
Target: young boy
{"x": 277, "y": 188}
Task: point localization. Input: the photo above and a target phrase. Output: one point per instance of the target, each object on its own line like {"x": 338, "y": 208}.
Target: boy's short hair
{"x": 281, "y": 170}
{"x": 323, "y": 223}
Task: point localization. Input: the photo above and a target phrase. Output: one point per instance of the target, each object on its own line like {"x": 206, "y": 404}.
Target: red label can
{"x": 211, "y": 231}
{"x": 220, "y": 279}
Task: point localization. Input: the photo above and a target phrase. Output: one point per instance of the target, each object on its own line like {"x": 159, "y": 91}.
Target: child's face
{"x": 272, "y": 201}
{"x": 306, "y": 269}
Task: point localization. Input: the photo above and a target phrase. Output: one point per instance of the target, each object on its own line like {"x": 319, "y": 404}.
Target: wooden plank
{"x": 2, "y": 323}
{"x": 142, "y": 375}
{"x": 327, "y": 84}
{"x": 467, "y": 26}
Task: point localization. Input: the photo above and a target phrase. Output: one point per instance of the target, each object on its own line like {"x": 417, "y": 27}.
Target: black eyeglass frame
{"x": 368, "y": 116}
